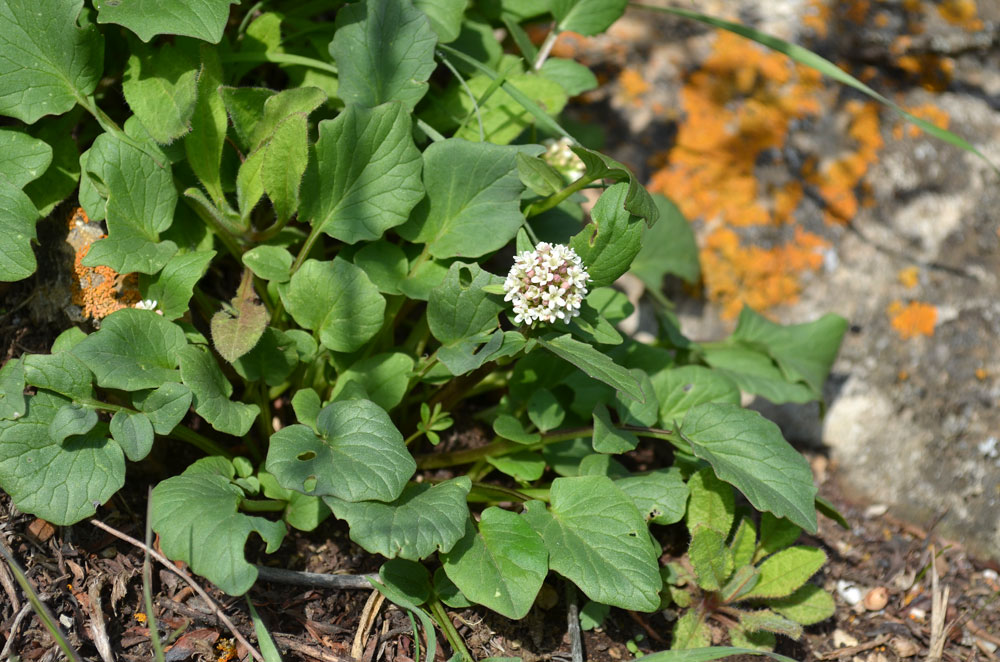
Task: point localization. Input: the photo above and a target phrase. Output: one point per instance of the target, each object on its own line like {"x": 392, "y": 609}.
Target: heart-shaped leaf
{"x": 355, "y": 454}
{"x": 424, "y": 519}
{"x": 211, "y": 391}
{"x": 502, "y": 565}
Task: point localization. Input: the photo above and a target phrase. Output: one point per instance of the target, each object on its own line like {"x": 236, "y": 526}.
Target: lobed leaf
{"x": 211, "y": 390}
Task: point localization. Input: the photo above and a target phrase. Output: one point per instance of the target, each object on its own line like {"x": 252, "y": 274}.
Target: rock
{"x": 848, "y": 592}
{"x": 842, "y": 639}
{"x": 903, "y": 646}
{"x": 876, "y": 599}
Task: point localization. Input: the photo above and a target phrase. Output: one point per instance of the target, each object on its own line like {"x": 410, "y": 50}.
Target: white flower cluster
{"x": 546, "y": 284}
{"x": 562, "y": 158}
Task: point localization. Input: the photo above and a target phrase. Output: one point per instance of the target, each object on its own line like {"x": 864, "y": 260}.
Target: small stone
{"x": 877, "y": 598}
{"x": 41, "y": 530}
{"x": 841, "y": 639}
{"x": 848, "y": 592}
{"x": 876, "y": 510}
{"x": 917, "y": 614}
{"x": 904, "y": 647}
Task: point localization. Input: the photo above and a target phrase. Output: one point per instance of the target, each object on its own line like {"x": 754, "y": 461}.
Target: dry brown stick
{"x": 853, "y": 650}
{"x": 365, "y": 623}
{"x": 313, "y": 579}
{"x": 939, "y": 611}
{"x": 13, "y": 630}
{"x": 314, "y": 652}
{"x": 573, "y": 624}
{"x": 183, "y": 575}
{"x": 977, "y": 631}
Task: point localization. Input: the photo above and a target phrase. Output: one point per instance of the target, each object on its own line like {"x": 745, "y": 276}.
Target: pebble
{"x": 842, "y": 639}
{"x": 877, "y": 598}
{"x": 848, "y": 592}
{"x": 904, "y": 647}
{"x": 876, "y": 510}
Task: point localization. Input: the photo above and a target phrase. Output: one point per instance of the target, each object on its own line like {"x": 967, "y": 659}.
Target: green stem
{"x": 508, "y": 494}
{"x": 254, "y": 506}
{"x": 450, "y": 633}
{"x": 546, "y": 48}
{"x": 110, "y": 126}
{"x": 198, "y": 203}
{"x": 556, "y": 199}
{"x": 280, "y": 58}
{"x": 431, "y": 132}
{"x": 204, "y": 443}
{"x": 465, "y": 86}
{"x": 248, "y": 17}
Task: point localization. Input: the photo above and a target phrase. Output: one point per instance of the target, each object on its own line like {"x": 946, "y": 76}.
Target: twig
{"x": 573, "y": 624}
{"x": 365, "y": 623}
{"x": 854, "y": 650}
{"x": 13, "y": 630}
{"x": 98, "y": 630}
{"x": 183, "y": 575}
{"x": 939, "y": 611}
{"x": 977, "y": 631}
{"x": 292, "y": 643}
{"x": 313, "y": 579}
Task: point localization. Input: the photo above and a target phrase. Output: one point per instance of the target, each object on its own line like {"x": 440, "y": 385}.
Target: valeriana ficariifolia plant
{"x": 278, "y": 218}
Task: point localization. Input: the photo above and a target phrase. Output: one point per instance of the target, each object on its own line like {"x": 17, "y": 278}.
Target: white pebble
{"x": 848, "y": 592}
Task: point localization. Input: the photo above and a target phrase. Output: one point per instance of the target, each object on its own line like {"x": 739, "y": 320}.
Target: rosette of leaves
{"x": 756, "y": 586}
{"x": 324, "y": 258}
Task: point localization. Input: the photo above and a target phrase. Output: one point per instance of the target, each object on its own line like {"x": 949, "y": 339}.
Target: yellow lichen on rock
{"x": 96, "y": 291}
{"x": 913, "y": 319}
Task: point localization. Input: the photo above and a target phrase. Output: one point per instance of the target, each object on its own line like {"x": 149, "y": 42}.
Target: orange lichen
{"x": 981, "y": 374}
{"x": 962, "y": 13}
{"x": 227, "y": 650}
{"x": 817, "y": 17}
{"x": 909, "y": 277}
{"x": 98, "y": 291}
{"x": 837, "y": 180}
{"x": 913, "y": 319}
{"x": 633, "y": 85}
{"x": 928, "y": 112}
{"x": 737, "y": 275}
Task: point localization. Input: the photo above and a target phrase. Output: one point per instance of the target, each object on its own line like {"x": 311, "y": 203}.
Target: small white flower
{"x": 546, "y": 284}
{"x": 148, "y": 304}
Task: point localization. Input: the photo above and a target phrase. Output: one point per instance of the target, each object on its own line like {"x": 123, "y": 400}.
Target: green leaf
{"x": 712, "y": 503}
{"x": 337, "y": 300}
{"x": 61, "y": 372}
{"x": 133, "y": 431}
{"x": 502, "y": 565}
{"x": 741, "y": 581}
{"x": 306, "y": 403}
{"x": 424, "y": 277}
{"x": 269, "y": 262}
{"x": 660, "y": 495}
{"x": 60, "y": 179}
{"x": 807, "y": 605}
{"x": 804, "y": 352}
{"x": 23, "y": 159}
{"x": 473, "y": 199}
{"x": 164, "y": 406}
{"x": 161, "y": 87}
{"x": 764, "y": 641}
{"x": 633, "y": 412}
{"x": 211, "y": 390}
{"x": 72, "y": 419}
{"x": 424, "y": 519}
{"x": 384, "y": 263}
{"x": 607, "y": 437}
{"x": 744, "y": 543}
{"x": 594, "y": 363}
{"x": 12, "y": 403}
{"x": 509, "y": 427}
{"x": 272, "y": 359}
{"x": 365, "y": 177}
{"x": 399, "y": 42}
{"x": 285, "y": 157}
{"x": 268, "y": 649}
{"x": 574, "y": 77}
{"x": 612, "y": 238}
{"x": 384, "y": 377}
{"x": 198, "y": 520}
{"x": 445, "y": 17}
{"x": 691, "y": 631}
{"x": 303, "y": 512}
{"x": 710, "y": 653}
{"x": 140, "y": 197}
{"x": 808, "y": 58}
{"x": 748, "y": 451}
{"x": 755, "y": 372}
{"x": 459, "y": 308}
{"x": 448, "y": 592}
{"x": 409, "y": 579}
{"x": 588, "y": 17}
{"x": 596, "y": 464}
{"x": 172, "y": 287}
{"x": 766, "y": 620}
{"x": 786, "y": 571}
{"x": 203, "y": 146}
{"x": 545, "y": 411}
{"x": 522, "y": 465}
{"x": 59, "y": 482}
{"x": 47, "y": 62}
{"x": 680, "y": 389}
{"x": 667, "y": 248}
{"x": 355, "y": 454}
{"x": 538, "y": 176}
{"x": 598, "y": 539}
{"x": 463, "y": 357}
{"x": 134, "y": 349}
{"x": 712, "y": 561}
{"x": 17, "y": 226}
{"x": 237, "y": 328}
{"x": 592, "y": 615}
{"x": 776, "y": 533}
{"x": 638, "y": 202}
{"x": 503, "y": 116}
{"x": 202, "y": 19}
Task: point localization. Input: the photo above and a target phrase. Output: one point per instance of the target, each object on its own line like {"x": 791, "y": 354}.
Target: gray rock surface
{"x": 912, "y": 423}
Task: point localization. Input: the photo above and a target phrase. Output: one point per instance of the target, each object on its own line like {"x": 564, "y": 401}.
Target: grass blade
{"x": 806, "y": 57}
{"x": 147, "y": 590}
{"x": 264, "y": 640}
